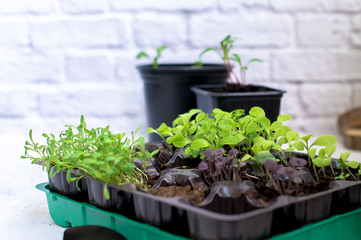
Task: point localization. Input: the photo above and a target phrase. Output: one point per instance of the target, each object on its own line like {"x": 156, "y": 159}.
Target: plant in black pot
{"x": 236, "y": 94}
{"x": 167, "y": 87}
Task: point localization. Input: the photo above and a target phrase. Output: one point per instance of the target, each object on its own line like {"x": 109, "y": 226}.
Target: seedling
{"x": 98, "y": 153}
{"x": 159, "y": 50}
{"x": 228, "y": 57}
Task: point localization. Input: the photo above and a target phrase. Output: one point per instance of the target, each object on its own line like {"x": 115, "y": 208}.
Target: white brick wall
{"x": 63, "y": 58}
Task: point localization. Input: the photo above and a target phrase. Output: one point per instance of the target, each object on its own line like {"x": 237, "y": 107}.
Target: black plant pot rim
{"x": 181, "y": 67}
{"x": 205, "y": 89}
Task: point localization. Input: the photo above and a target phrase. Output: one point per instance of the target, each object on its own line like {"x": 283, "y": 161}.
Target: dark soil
{"x": 195, "y": 195}
{"x": 240, "y": 88}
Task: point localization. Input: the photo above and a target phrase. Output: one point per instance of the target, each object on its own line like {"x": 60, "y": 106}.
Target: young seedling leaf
{"x": 284, "y": 118}
{"x": 142, "y": 55}
{"x": 353, "y": 164}
{"x": 254, "y": 60}
{"x": 106, "y": 192}
{"x": 257, "y": 112}
{"x": 237, "y": 58}
{"x": 180, "y": 141}
{"x": 207, "y": 50}
{"x": 200, "y": 143}
{"x": 324, "y": 141}
{"x": 330, "y": 149}
{"x": 345, "y": 156}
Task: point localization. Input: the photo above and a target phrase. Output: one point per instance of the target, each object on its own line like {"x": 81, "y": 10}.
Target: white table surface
{"x": 24, "y": 211}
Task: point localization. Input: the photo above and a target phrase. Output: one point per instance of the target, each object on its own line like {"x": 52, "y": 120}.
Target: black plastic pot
{"x": 120, "y": 200}
{"x": 59, "y": 184}
{"x": 167, "y": 89}
{"x": 269, "y": 100}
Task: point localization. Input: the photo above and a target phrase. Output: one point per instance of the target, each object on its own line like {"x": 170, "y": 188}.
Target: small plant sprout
{"x": 344, "y": 165}
{"x": 227, "y": 57}
{"x": 159, "y": 50}
{"x": 98, "y": 153}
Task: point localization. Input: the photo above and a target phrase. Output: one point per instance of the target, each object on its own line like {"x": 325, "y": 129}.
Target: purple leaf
{"x": 227, "y": 159}
{"x": 270, "y": 165}
{"x": 292, "y": 173}
{"x": 219, "y": 151}
{"x": 219, "y": 165}
{"x": 280, "y": 170}
{"x": 298, "y": 162}
{"x": 208, "y": 153}
{"x": 233, "y": 152}
{"x": 203, "y": 166}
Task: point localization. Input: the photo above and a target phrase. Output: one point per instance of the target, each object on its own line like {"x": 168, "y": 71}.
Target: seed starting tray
{"x": 70, "y": 213}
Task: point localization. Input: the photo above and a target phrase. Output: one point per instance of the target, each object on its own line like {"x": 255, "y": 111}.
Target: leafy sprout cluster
{"x": 255, "y": 138}
{"x": 228, "y": 57}
{"x": 96, "y": 152}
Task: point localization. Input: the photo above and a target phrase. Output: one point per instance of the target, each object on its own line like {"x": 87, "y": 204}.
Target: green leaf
{"x": 298, "y": 145}
{"x": 289, "y": 149}
{"x": 142, "y": 55}
{"x": 160, "y": 49}
{"x": 246, "y": 157}
{"x": 257, "y": 112}
{"x": 200, "y": 116}
{"x": 326, "y": 161}
{"x": 318, "y": 162}
{"x": 106, "y": 192}
{"x": 312, "y": 153}
{"x": 226, "y": 124}
{"x": 353, "y": 164}
{"x": 250, "y": 127}
{"x": 254, "y": 60}
{"x": 307, "y": 137}
{"x": 180, "y": 141}
{"x": 345, "y": 156}
{"x": 207, "y": 50}
{"x": 324, "y": 141}
{"x": 322, "y": 153}
{"x": 292, "y": 136}
{"x": 284, "y": 118}
{"x": 200, "y": 143}
{"x": 232, "y": 140}
{"x": 237, "y": 59}
{"x": 330, "y": 149}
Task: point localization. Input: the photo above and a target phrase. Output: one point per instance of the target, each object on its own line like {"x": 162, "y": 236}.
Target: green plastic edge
{"x": 67, "y": 212}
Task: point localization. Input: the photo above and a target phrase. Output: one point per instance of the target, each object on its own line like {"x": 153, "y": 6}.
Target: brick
{"x": 322, "y": 31}
{"x": 24, "y": 65}
{"x": 126, "y": 67}
{"x": 88, "y": 69}
{"x": 317, "y": 5}
{"x": 102, "y": 33}
{"x": 253, "y": 32}
{"x": 83, "y": 6}
{"x": 101, "y": 102}
{"x": 163, "y": 5}
{"x": 325, "y": 100}
{"x": 157, "y": 29}
{"x": 13, "y": 33}
{"x": 356, "y": 96}
{"x": 353, "y": 6}
{"x": 255, "y": 3}
{"x": 32, "y": 7}
{"x": 17, "y": 103}
{"x": 356, "y": 31}
{"x": 311, "y": 66}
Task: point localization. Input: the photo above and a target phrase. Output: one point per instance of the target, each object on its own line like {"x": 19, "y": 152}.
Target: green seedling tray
{"x": 70, "y": 213}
